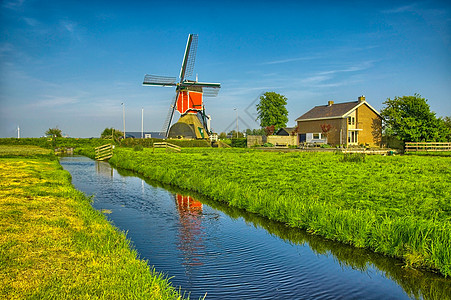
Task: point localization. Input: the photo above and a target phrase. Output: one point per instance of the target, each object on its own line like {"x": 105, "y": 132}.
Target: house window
{"x": 351, "y": 120}
{"x": 352, "y": 137}
{"x": 319, "y": 136}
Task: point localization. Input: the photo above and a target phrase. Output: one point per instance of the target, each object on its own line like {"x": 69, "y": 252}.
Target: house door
{"x": 302, "y": 138}
{"x": 353, "y": 137}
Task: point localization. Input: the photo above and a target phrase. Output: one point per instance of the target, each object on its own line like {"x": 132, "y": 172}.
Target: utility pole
{"x": 236, "y": 122}
{"x": 18, "y": 132}
{"x": 123, "y": 116}
{"x": 142, "y": 122}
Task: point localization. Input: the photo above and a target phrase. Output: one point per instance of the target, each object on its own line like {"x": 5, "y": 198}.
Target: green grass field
{"x": 396, "y": 205}
{"x": 54, "y": 245}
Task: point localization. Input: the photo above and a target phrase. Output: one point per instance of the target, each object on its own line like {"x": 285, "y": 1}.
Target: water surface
{"x": 208, "y": 247}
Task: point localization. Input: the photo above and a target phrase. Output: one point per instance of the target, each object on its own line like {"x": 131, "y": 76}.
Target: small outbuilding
{"x": 348, "y": 123}
{"x": 286, "y": 131}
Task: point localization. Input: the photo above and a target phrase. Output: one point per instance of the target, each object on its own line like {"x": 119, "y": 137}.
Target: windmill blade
{"x": 189, "y": 57}
{"x": 159, "y": 80}
{"x": 210, "y": 91}
{"x": 168, "y": 121}
{"x": 201, "y": 84}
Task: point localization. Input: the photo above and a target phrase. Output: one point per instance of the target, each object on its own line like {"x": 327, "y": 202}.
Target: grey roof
{"x": 287, "y": 129}
{"x": 329, "y": 111}
{"x": 137, "y": 134}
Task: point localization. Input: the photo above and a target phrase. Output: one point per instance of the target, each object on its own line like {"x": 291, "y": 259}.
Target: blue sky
{"x": 72, "y": 63}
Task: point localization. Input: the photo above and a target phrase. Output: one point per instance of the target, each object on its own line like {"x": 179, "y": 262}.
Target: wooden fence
{"x": 104, "y": 152}
{"x": 427, "y": 146}
{"x": 167, "y": 146}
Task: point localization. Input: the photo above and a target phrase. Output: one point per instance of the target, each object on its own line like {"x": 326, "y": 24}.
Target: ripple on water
{"x": 204, "y": 250}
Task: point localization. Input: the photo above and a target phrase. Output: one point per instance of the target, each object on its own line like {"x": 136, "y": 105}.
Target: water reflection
{"x": 418, "y": 284}
{"x": 191, "y": 231}
{"x": 103, "y": 168}
{"x": 196, "y": 217}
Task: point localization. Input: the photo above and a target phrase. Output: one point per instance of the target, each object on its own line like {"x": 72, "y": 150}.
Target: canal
{"x": 206, "y": 247}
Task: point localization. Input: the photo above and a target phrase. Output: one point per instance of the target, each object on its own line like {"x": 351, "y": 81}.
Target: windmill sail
{"x": 168, "y": 121}
{"x": 159, "y": 80}
{"x": 189, "y": 57}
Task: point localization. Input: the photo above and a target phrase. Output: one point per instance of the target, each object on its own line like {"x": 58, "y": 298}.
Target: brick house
{"x": 349, "y": 123}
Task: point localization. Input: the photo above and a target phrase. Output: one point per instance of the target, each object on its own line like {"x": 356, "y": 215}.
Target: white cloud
{"x": 31, "y": 22}
{"x": 13, "y": 4}
{"x": 288, "y": 60}
{"x": 55, "y": 101}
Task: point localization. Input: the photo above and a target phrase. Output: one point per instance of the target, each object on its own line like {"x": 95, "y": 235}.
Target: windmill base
{"x": 188, "y": 127}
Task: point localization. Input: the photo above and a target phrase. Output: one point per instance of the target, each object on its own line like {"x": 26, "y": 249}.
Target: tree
{"x": 222, "y": 135}
{"x": 233, "y": 134}
{"x": 272, "y": 111}
{"x": 269, "y": 130}
{"x": 53, "y": 132}
{"x": 325, "y": 128}
{"x": 260, "y": 131}
{"x": 447, "y": 123}
{"x": 108, "y": 133}
{"x": 410, "y": 119}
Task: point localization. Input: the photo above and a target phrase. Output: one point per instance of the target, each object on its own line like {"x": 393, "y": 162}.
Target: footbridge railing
{"x": 167, "y": 145}
{"x": 427, "y": 146}
{"x": 104, "y": 152}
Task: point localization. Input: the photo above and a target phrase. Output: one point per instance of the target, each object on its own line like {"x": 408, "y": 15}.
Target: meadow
{"x": 396, "y": 205}
{"x": 54, "y": 245}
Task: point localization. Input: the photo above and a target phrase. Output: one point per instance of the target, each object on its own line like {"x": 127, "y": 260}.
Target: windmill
{"x": 188, "y": 100}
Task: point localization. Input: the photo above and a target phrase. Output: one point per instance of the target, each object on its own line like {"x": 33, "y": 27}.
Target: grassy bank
{"x": 397, "y": 205}
{"x": 54, "y": 245}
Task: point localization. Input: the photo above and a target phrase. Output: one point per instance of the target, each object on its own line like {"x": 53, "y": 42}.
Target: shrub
{"x": 138, "y": 147}
{"x": 353, "y": 157}
{"x": 239, "y": 143}
{"x": 268, "y": 145}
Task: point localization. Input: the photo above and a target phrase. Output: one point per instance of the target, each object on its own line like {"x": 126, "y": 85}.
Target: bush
{"x": 268, "y": 145}
{"x": 239, "y": 143}
{"x": 354, "y": 157}
{"x": 326, "y": 146}
{"x": 138, "y": 147}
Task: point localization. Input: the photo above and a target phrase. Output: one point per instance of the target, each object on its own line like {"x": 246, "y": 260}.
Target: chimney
{"x": 329, "y": 103}
{"x": 362, "y": 98}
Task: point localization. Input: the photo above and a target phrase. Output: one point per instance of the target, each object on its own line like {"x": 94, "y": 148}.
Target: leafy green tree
{"x": 222, "y": 135}
{"x": 272, "y": 111}
{"x": 259, "y": 131}
{"x": 54, "y": 132}
{"x": 234, "y": 135}
{"x": 410, "y": 119}
{"x": 109, "y": 133}
{"x": 447, "y": 123}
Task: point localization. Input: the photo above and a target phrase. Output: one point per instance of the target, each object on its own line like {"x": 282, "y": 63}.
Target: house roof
{"x": 137, "y": 134}
{"x": 338, "y": 110}
{"x": 287, "y": 129}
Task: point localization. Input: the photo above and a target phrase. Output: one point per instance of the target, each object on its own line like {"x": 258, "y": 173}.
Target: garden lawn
{"x": 396, "y": 205}
{"x": 54, "y": 245}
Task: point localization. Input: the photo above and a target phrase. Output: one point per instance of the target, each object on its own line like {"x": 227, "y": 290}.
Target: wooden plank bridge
{"x": 104, "y": 152}
{"x": 167, "y": 145}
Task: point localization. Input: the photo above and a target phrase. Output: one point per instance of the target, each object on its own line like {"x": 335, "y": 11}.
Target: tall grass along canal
{"x": 398, "y": 206}
{"x": 54, "y": 245}
{"x": 205, "y": 246}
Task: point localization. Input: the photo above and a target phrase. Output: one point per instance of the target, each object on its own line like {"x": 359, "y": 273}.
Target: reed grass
{"x": 54, "y": 245}
{"x": 396, "y": 205}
